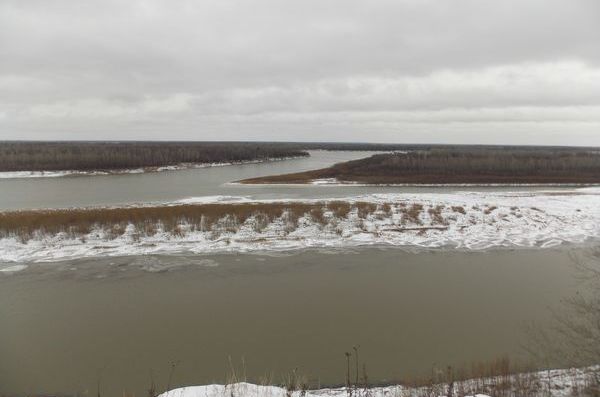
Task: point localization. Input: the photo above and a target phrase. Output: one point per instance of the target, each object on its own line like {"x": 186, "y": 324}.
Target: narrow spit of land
{"x": 458, "y": 166}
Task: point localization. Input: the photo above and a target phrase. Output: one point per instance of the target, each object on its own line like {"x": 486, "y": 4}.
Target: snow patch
{"x": 213, "y": 200}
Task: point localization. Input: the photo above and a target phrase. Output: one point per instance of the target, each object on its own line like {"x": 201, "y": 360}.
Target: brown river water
{"x": 120, "y": 322}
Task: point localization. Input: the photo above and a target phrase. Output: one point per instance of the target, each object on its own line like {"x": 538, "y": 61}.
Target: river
{"x": 122, "y": 319}
{"x": 121, "y": 322}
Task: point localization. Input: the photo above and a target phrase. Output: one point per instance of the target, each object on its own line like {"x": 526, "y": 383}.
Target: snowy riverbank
{"x": 141, "y": 170}
{"x": 555, "y": 383}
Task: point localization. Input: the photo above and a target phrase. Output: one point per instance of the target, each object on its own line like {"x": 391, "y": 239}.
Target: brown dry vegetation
{"x": 386, "y": 208}
{"x": 365, "y": 209}
{"x": 436, "y": 214}
{"x": 145, "y": 219}
{"x": 412, "y": 214}
{"x": 498, "y": 378}
{"x": 460, "y": 165}
{"x": 459, "y": 208}
{"x": 501, "y": 378}
{"x": 340, "y": 209}
{"x": 176, "y": 219}
{"x": 317, "y": 215}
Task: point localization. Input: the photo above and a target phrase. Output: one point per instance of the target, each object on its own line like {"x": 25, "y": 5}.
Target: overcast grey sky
{"x": 464, "y": 71}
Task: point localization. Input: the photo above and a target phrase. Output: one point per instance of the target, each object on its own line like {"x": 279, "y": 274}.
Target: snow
{"x": 464, "y": 220}
{"x": 55, "y": 174}
{"x": 33, "y": 174}
{"x": 329, "y": 181}
{"x": 243, "y": 389}
{"x": 557, "y": 383}
{"x": 213, "y": 199}
{"x": 591, "y": 190}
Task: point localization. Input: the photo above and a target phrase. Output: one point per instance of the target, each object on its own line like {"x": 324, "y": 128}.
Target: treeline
{"x": 85, "y": 156}
{"x": 462, "y": 165}
{"x": 537, "y": 163}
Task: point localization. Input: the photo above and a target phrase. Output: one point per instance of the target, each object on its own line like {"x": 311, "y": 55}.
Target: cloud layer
{"x": 467, "y": 71}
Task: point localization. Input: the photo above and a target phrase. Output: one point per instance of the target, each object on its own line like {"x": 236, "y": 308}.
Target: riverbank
{"x": 553, "y": 383}
{"x": 176, "y": 167}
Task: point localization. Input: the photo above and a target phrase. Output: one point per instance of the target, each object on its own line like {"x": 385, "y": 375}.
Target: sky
{"x": 405, "y": 71}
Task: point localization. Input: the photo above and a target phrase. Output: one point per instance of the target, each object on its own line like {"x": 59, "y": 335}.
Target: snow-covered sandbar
{"x": 465, "y": 221}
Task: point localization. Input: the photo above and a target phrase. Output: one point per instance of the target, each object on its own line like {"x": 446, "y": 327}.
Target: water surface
{"x": 65, "y": 323}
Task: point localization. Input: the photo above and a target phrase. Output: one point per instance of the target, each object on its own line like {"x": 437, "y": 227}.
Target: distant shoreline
{"x": 114, "y": 157}
{"x": 140, "y": 170}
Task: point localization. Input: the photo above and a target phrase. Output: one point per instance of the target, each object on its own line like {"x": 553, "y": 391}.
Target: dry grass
{"x": 459, "y": 209}
{"x": 215, "y": 219}
{"x": 365, "y": 209}
{"x": 261, "y": 221}
{"x": 498, "y": 378}
{"x": 317, "y": 215}
{"x": 386, "y": 208}
{"x": 340, "y": 209}
{"x": 436, "y": 215}
{"x": 412, "y": 214}
{"x": 146, "y": 220}
{"x": 495, "y": 378}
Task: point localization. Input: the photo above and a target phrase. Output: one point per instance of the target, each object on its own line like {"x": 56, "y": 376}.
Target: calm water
{"x": 124, "y": 320}
{"x": 64, "y": 323}
{"x": 75, "y": 191}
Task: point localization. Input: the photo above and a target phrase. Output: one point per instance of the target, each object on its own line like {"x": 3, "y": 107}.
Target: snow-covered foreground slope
{"x": 556, "y": 383}
{"x": 471, "y": 221}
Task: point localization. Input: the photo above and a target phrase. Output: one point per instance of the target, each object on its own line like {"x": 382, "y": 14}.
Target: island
{"x": 455, "y": 166}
